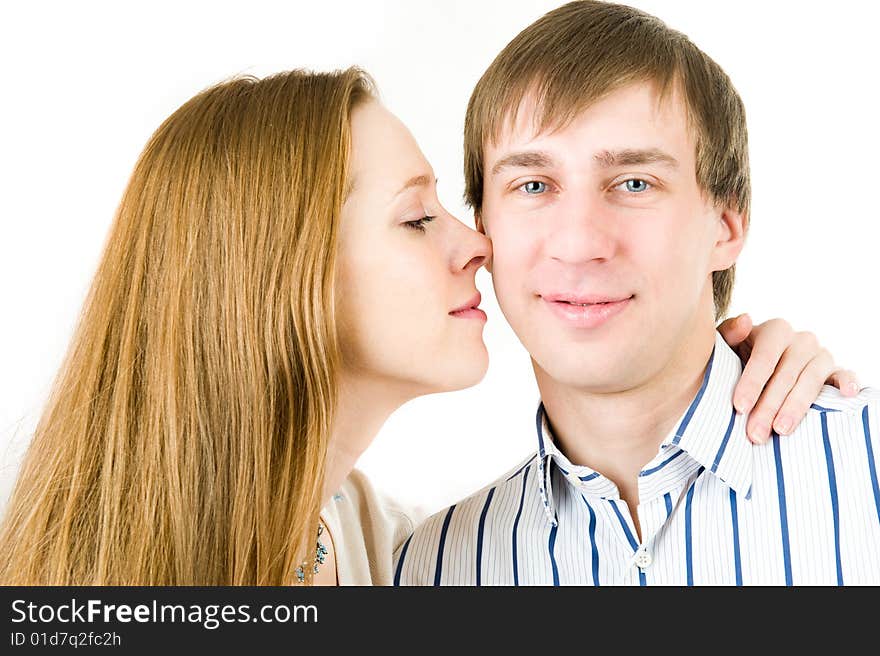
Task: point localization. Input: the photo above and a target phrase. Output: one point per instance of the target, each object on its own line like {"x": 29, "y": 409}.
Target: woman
{"x": 279, "y": 278}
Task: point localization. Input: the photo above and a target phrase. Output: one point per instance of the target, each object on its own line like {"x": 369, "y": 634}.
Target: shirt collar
{"x": 710, "y": 432}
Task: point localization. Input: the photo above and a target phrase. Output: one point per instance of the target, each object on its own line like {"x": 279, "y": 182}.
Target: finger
{"x": 735, "y": 330}
{"x": 804, "y": 393}
{"x": 846, "y": 381}
{"x": 771, "y": 339}
{"x": 787, "y": 375}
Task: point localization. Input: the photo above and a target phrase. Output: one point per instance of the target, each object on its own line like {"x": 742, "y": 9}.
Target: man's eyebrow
{"x": 629, "y": 157}
{"x": 534, "y": 159}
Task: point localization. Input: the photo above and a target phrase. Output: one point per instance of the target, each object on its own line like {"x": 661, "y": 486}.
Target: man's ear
{"x": 731, "y": 237}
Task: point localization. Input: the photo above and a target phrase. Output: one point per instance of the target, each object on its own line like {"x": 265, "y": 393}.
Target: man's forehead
{"x": 640, "y": 107}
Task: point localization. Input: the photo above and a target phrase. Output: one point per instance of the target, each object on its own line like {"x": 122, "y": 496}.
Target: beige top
{"x": 366, "y": 528}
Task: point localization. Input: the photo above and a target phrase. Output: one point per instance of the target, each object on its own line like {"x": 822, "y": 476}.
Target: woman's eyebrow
{"x": 423, "y": 180}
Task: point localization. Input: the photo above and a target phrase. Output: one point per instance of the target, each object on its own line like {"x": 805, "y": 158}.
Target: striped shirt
{"x": 714, "y": 509}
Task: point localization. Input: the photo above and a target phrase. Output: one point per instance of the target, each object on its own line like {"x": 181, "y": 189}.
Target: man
{"x": 606, "y": 157}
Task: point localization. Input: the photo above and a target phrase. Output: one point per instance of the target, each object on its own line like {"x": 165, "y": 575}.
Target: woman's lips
{"x": 469, "y": 313}
{"x": 585, "y": 311}
{"x": 470, "y": 310}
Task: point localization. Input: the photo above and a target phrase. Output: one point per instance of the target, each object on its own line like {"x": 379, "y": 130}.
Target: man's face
{"x": 604, "y": 244}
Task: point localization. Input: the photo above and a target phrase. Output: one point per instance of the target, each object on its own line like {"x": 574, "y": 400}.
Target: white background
{"x": 84, "y": 85}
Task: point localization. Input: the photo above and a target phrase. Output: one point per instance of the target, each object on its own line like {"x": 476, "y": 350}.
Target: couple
{"x": 281, "y": 277}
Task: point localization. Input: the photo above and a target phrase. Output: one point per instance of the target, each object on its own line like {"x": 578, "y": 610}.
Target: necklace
{"x": 320, "y": 556}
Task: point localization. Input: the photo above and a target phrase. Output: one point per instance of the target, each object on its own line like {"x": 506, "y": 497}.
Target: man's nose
{"x": 582, "y": 231}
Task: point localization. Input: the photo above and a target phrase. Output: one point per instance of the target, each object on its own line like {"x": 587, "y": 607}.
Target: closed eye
{"x": 419, "y": 224}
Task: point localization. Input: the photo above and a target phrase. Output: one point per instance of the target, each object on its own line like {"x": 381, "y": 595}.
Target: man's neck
{"x": 617, "y": 433}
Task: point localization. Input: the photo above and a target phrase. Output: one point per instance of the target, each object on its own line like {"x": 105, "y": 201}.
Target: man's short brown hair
{"x": 579, "y": 53}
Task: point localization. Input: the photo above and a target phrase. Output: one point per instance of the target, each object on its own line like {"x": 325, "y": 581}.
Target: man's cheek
{"x": 512, "y": 256}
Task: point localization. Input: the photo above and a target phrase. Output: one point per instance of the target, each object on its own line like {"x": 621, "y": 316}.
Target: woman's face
{"x": 406, "y": 297}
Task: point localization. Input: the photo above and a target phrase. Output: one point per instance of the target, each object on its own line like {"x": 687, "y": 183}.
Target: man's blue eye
{"x": 636, "y": 186}
{"x": 535, "y": 187}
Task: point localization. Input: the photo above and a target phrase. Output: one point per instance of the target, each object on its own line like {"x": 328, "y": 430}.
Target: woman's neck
{"x": 363, "y": 407}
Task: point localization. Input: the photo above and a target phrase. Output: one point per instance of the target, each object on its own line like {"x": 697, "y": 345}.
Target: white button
{"x": 643, "y": 560}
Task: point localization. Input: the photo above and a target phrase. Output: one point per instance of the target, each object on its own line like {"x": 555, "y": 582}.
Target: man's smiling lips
{"x": 585, "y": 310}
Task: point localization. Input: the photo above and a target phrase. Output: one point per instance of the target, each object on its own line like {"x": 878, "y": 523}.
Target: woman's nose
{"x": 475, "y": 251}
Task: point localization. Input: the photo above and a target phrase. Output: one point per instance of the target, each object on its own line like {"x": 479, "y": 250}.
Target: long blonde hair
{"x": 184, "y": 439}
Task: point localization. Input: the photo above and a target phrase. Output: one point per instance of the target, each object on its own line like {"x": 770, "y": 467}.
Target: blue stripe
{"x": 551, "y": 546}
{"x": 516, "y": 526}
{"x": 538, "y": 416}
{"x": 679, "y": 433}
{"x": 668, "y": 500}
{"x": 400, "y": 562}
{"x": 832, "y": 483}
{"x": 783, "y": 512}
{"x": 872, "y": 466}
{"x": 480, "y": 532}
{"x": 595, "y": 548}
{"x": 724, "y": 442}
{"x": 520, "y": 470}
{"x": 443, "y": 532}
{"x": 648, "y": 472}
{"x": 545, "y": 472}
{"x": 821, "y": 409}
{"x": 629, "y": 535}
{"x": 588, "y": 477}
{"x": 688, "y": 535}
{"x": 642, "y": 580}
{"x": 737, "y": 560}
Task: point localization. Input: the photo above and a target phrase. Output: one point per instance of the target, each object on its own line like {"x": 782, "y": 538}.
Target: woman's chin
{"x": 443, "y": 373}
{"x": 466, "y": 372}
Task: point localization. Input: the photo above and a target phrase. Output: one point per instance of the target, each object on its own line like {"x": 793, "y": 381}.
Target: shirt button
{"x": 643, "y": 560}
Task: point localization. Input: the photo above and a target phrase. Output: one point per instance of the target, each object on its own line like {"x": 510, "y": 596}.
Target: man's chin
{"x": 595, "y": 374}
